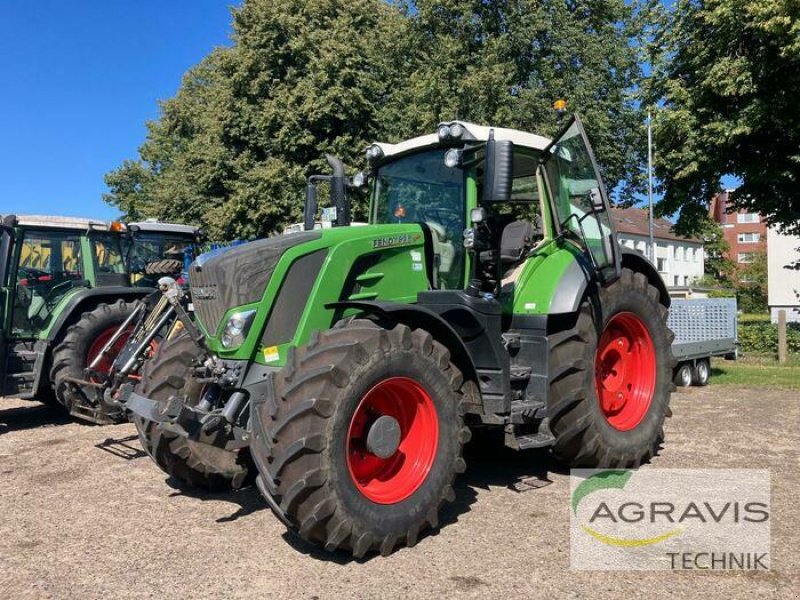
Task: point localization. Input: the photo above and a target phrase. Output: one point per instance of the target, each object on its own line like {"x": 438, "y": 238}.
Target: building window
{"x": 745, "y": 257}
{"x": 686, "y": 280}
{"x": 676, "y": 281}
{"x": 661, "y": 264}
{"x": 697, "y": 254}
{"x": 679, "y": 253}
{"x": 749, "y": 238}
{"x": 748, "y": 218}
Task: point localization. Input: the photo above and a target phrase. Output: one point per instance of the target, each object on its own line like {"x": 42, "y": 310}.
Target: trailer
{"x": 703, "y": 328}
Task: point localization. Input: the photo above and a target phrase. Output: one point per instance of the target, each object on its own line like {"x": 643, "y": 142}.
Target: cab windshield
{"x": 419, "y": 188}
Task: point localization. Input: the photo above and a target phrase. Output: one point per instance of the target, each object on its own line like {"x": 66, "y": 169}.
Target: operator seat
{"x": 517, "y": 238}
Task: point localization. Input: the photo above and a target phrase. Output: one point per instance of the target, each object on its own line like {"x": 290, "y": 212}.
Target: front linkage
{"x": 97, "y": 395}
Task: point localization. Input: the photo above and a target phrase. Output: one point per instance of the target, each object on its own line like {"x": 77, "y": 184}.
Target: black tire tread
{"x": 578, "y": 441}
{"x": 193, "y": 463}
{"x": 69, "y": 357}
{"x": 312, "y": 373}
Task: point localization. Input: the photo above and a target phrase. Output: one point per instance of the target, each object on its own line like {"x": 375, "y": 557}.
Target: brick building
{"x": 745, "y": 232}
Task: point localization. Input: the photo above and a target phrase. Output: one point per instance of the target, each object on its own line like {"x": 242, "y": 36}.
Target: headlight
{"x": 374, "y": 153}
{"x": 452, "y": 131}
{"x": 452, "y": 158}
{"x": 236, "y": 329}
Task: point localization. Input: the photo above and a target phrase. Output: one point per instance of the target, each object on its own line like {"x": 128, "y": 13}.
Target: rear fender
{"x": 638, "y": 263}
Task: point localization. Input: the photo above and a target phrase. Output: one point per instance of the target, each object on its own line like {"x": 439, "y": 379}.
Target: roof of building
{"x": 635, "y": 221}
{"x": 474, "y": 132}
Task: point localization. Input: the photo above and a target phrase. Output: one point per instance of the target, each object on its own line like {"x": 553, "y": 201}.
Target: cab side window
{"x": 49, "y": 265}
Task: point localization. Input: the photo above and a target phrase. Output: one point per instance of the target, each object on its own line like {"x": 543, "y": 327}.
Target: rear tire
{"x": 701, "y": 372}
{"x": 197, "y": 464}
{"x": 82, "y": 342}
{"x": 166, "y": 266}
{"x": 607, "y": 409}
{"x": 315, "y": 469}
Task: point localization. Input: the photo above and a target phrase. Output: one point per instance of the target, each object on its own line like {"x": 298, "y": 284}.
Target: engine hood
{"x": 237, "y": 276}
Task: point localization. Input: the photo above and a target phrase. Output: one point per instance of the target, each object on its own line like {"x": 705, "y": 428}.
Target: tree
{"x": 716, "y": 265}
{"x": 304, "y": 77}
{"x": 232, "y": 149}
{"x": 726, "y": 75}
{"x": 751, "y": 284}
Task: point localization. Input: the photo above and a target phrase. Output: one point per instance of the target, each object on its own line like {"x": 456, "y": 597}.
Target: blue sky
{"x": 79, "y": 80}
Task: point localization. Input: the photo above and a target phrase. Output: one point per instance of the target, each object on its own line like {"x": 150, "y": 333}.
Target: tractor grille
{"x": 238, "y": 275}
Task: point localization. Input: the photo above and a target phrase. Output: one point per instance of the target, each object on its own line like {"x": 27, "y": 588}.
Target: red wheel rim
{"x": 104, "y": 364}
{"x": 625, "y": 371}
{"x": 393, "y": 479}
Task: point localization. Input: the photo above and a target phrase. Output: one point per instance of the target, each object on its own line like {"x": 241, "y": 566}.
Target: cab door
{"x": 6, "y": 249}
{"x": 580, "y": 199}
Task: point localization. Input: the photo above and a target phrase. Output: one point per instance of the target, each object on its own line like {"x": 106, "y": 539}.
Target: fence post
{"x": 782, "y": 350}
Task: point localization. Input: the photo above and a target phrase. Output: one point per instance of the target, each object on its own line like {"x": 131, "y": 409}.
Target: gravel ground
{"x": 84, "y": 513}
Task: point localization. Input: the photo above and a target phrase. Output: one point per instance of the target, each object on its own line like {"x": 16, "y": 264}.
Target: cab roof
{"x": 475, "y": 133}
{"x": 56, "y": 222}
{"x": 151, "y": 225}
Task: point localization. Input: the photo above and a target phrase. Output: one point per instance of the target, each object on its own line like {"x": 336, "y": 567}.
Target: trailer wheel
{"x": 359, "y": 448}
{"x": 611, "y": 378}
{"x": 683, "y": 375}
{"x": 197, "y": 464}
{"x": 701, "y": 372}
{"x": 81, "y": 345}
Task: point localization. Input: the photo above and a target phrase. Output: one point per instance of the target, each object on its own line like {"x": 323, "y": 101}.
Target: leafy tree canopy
{"x": 304, "y": 77}
{"x": 726, "y": 76}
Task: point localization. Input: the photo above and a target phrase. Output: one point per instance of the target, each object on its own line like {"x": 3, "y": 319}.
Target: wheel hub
{"x": 392, "y": 440}
{"x": 383, "y": 437}
{"x": 625, "y": 371}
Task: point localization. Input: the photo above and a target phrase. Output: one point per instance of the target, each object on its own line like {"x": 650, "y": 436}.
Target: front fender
{"x": 417, "y": 316}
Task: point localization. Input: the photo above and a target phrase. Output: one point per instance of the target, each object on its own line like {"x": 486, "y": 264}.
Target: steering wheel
{"x": 448, "y": 218}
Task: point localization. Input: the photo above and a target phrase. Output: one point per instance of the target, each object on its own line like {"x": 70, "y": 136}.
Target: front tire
{"x": 196, "y": 464}
{"x": 611, "y": 378}
{"x": 82, "y": 343}
{"x": 360, "y": 446}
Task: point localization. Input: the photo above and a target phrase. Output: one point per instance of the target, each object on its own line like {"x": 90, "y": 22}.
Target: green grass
{"x": 761, "y": 373}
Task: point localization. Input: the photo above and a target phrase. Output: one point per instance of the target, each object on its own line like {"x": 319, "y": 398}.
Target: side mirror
{"x": 339, "y": 190}
{"x": 310, "y": 209}
{"x": 596, "y": 198}
{"x": 498, "y": 170}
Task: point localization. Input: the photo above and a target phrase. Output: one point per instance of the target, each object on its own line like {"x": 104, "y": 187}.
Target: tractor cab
{"x": 48, "y": 259}
{"x": 485, "y": 220}
{"x": 154, "y": 249}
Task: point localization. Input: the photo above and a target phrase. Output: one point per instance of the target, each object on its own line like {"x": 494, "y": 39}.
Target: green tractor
{"x": 66, "y": 285}
{"x": 347, "y": 367}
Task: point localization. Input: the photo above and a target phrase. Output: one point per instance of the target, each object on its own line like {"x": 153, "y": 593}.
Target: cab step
{"x": 518, "y": 438}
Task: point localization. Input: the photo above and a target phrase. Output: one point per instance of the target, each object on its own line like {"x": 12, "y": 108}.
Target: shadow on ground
{"x": 21, "y": 418}
{"x": 489, "y": 465}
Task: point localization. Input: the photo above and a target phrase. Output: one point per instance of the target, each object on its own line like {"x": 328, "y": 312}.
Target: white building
{"x": 783, "y": 284}
{"x": 679, "y": 260}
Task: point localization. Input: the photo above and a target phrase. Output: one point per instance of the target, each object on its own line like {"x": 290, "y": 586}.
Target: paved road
{"x": 83, "y": 513}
